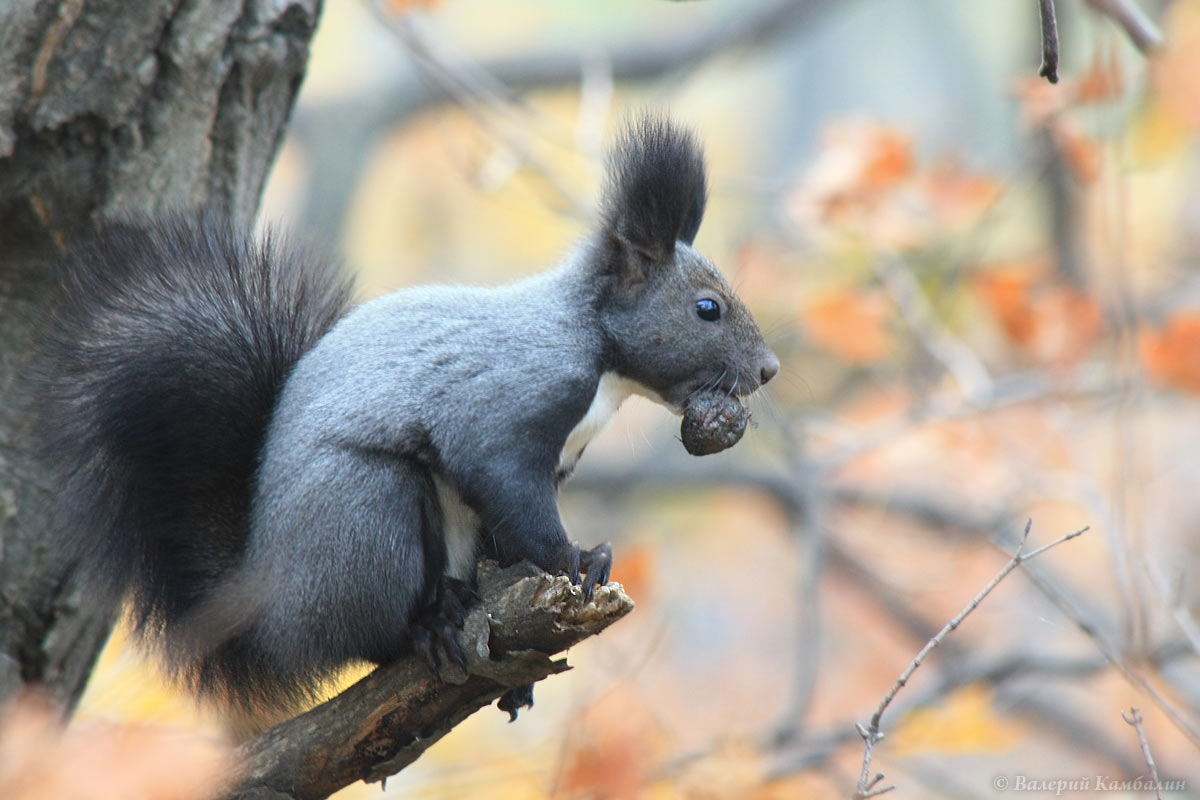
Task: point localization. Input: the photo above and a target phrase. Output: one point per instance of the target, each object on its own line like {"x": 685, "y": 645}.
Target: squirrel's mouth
{"x": 729, "y": 384}
{"x": 676, "y": 400}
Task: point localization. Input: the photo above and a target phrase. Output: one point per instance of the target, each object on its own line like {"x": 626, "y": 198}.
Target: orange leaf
{"x": 1172, "y": 355}
{"x": 611, "y": 748}
{"x": 1103, "y": 81}
{"x": 955, "y": 194}
{"x": 1051, "y": 322}
{"x": 1157, "y": 134}
{"x": 1068, "y": 323}
{"x": 889, "y": 157}
{"x": 635, "y": 571}
{"x": 1040, "y": 100}
{"x": 404, "y": 6}
{"x": 850, "y": 324}
{"x": 1008, "y": 295}
{"x": 858, "y": 161}
{"x": 735, "y": 770}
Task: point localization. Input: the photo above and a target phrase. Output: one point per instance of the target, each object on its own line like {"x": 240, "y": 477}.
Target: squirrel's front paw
{"x": 586, "y": 568}
{"x": 596, "y": 565}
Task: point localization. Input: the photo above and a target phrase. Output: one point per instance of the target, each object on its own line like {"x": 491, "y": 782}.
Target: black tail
{"x": 160, "y": 372}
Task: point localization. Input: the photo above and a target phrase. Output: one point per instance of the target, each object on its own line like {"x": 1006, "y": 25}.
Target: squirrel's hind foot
{"x": 515, "y": 699}
{"x": 435, "y": 630}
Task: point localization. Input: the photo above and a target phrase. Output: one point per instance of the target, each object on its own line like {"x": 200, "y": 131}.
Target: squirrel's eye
{"x": 708, "y": 310}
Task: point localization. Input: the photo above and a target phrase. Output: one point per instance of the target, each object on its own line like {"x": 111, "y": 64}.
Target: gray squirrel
{"x": 282, "y": 484}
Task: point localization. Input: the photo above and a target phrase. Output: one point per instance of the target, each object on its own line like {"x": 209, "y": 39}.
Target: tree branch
{"x": 1049, "y": 69}
{"x": 1134, "y": 718}
{"x": 384, "y": 722}
{"x": 1110, "y": 651}
{"x": 872, "y": 735}
{"x": 678, "y": 474}
{"x": 1144, "y": 34}
{"x": 918, "y": 313}
{"x": 339, "y": 136}
{"x": 999, "y": 671}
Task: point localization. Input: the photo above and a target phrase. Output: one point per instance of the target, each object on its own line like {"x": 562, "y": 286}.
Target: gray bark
{"x": 111, "y": 109}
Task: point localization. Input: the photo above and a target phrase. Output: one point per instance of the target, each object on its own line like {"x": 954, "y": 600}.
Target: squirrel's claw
{"x": 515, "y": 699}
{"x": 436, "y": 628}
{"x": 596, "y": 564}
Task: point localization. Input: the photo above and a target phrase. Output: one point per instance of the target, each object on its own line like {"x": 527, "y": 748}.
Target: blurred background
{"x": 985, "y": 294}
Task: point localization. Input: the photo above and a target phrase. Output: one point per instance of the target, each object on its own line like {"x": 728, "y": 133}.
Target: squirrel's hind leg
{"x": 435, "y": 629}
{"x": 350, "y": 550}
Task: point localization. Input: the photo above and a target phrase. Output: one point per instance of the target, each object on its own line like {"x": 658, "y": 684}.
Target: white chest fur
{"x": 460, "y": 529}
{"x": 610, "y": 393}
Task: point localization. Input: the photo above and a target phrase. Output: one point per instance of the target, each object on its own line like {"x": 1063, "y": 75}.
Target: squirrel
{"x": 282, "y": 484}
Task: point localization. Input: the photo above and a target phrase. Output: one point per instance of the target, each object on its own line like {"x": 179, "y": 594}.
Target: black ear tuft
{"x": 656, "y": 187}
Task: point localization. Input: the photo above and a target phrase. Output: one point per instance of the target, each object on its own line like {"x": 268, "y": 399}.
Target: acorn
{"x": 712, "y": 422}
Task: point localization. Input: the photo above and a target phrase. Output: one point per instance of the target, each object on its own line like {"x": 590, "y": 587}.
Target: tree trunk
{"x": 111, "y": 109}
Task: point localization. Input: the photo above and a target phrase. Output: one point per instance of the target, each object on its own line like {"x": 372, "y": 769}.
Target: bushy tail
{"x": 160, "y": 371}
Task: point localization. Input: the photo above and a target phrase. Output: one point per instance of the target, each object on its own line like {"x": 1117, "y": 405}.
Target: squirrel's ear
{"x": 656, "y": 189}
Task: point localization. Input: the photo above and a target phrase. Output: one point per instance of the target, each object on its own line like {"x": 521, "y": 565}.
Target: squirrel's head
{"x": 673, "y": 321}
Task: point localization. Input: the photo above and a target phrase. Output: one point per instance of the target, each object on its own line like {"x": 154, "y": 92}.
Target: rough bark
{"x": 388, "y": 719}
{"x": 111, "y": 109}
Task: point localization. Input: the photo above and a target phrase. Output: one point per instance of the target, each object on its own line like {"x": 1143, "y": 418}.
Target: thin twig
{"x": 341, "y": 135}
{"x": 918, "y": 313}
{"x": 1112, "y": 653}
{"x": 1173, "y": 598}
{"x": 872, "y": 735}
{"x": 817, "y": 747}
{"x": 1043, "y": 709}
{"x": 1134, "y": 718}
{"x": 481, "y": 96}
{"x": 1049, "y": 69}
{"x": 1144, "y": 34}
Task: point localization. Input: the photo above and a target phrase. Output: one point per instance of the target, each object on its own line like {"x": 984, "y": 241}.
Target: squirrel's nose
{"x": 770, "y": 367}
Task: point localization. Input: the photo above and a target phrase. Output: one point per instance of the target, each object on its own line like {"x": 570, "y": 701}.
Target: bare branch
{"x": 872, "y": 735}
{"x": 812, "y": 551}
{"x": 1110, "y": 652}
{"x": 340, "y": 135}
{"x": 814, "y": 750}
{"x": 1134, "y": 718}
{"x": 958, "y": 359}
{"x": 480, "y": 95}
{"x": 1049, "y": 69}
{"x": 1174, "y": 600}
{"x": 1141, "y": 30}
{"x": 388, "y": 719}
{"x": 695, "y": 474}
